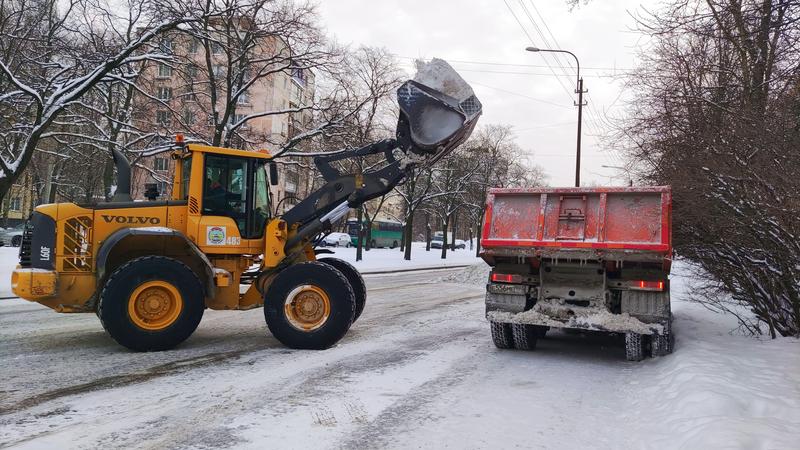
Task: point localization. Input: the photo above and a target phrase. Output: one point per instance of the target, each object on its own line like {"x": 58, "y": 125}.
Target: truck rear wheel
{"x": 524, "y": 336}
{"x": 662, "y": 342}
{"x": 309, "y": 305}
{"x": 502, "y": 335}
{"x": 151, "y": 303}
{"x": 356, "y": 282}
{"x": 635, "y": 346}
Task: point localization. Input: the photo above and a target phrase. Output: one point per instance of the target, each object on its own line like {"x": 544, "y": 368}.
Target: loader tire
{"x": 635, "y": 346}
{"x": 309, "y": 305}
{"x": 663, "y": 342}
{"x": 356, "y": 282}
{"x": 502, "y": 335}
{"x": 151, "y": 303}
{"x": 524, "y": 336}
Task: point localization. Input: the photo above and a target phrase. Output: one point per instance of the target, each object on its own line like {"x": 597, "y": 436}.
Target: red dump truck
{"x": 579, "y": 258}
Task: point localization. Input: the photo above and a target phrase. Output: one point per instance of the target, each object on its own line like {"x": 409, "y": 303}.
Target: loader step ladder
{"x": 571, "y": 218}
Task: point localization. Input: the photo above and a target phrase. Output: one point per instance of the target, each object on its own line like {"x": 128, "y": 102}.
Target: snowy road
{"x": 417, "y": 370}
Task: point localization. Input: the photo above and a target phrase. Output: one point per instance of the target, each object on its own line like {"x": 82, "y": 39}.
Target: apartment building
{"x": 179, "y": 99}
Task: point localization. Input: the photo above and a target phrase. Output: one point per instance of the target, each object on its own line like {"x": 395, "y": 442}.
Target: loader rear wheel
{"x": 356, "y": 282}
{"x": 309, "y": 305}
{"x": 635, "y": 346}
{"x": 502, "y": 336}
{"x": 151, "y": 303}
{"x": 524, "y": 336}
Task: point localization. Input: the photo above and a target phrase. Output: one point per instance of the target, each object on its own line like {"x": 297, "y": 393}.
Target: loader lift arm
{"x": 341, "y": 192}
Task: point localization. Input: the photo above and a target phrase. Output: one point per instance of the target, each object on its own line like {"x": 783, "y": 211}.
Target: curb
{"x": 416, "y": 269}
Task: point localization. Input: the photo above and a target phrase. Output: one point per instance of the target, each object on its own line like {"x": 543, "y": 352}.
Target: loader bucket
{"x": 438, "y": 110}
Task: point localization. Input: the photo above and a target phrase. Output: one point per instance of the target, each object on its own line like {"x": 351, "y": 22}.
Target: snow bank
{"x": 477, "y": 275}
{"x": 382, "y": 259}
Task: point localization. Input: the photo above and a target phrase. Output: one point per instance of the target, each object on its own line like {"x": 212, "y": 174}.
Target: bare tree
{"x": 48, "y": 67}
{"x": 715, "y": 116}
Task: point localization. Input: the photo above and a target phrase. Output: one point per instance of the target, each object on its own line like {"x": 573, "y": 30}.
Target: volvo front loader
{"x": 149, "y": 269}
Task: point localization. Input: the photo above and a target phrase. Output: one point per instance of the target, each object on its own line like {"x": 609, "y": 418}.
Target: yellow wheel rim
{"x": 155, "y": 305}
{"x": 307, "y": 307}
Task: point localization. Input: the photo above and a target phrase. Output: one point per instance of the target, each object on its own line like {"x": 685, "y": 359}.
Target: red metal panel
{"x": 630, "y": 218}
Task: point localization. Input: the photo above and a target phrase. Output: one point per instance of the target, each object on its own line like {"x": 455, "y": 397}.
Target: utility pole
{"x": 580, "y": 105}
{"x": 580, "y": 92}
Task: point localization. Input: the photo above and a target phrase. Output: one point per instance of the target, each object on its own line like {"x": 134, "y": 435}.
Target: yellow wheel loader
{"x": 149, "y": 269}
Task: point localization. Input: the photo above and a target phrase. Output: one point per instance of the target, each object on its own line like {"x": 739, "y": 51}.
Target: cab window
{"x": 224, "y": 193}
{"x": 237, "y": 188}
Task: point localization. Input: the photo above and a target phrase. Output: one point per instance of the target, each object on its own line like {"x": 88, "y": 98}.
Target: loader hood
{"x": 438, "y": 110}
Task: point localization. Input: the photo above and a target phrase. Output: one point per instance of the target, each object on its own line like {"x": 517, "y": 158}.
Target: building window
{"x": 164, "y": 93}
{"x": 243, "y": 99}
{"x": 164, "y": 71}
{"x": 216, "y": 48}
{"x": 192, "y": 71}
{"x": 160, "y": 164}
{"x": 193, "y": 46}
{"x": 15, "y": 204}
{"x": 188, "y": 117}
{"x": 292, "y": 180}
{"x": 191, "y": 96}
{"x": 165, "y": 45}
{"x": 235, "y": 118}
{"x": 162, "y": 188}
{"x": 299, "y": 75}
{"x": 217, "y": 70}
{"x": 162, "y": 118}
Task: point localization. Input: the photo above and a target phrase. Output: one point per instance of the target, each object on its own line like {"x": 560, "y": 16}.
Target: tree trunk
{"x": 479, "y": 234}
{"x": 409, "y": 231}
{"x": 455, "y": 224}
{"x": 427, "y": 234}
{"x": 360, "y": 240}
{"x": 444, "y": 236}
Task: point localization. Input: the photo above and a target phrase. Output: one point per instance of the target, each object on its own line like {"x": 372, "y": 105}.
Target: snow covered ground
{"x": 384, "y": 259}
{"x": 417, "y": 370}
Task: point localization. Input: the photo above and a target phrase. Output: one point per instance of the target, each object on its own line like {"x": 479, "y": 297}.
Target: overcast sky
{"x": 516, "y": 87}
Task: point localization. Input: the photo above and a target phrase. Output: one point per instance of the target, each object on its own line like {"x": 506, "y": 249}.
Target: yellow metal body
{"x": 82, "y": 231}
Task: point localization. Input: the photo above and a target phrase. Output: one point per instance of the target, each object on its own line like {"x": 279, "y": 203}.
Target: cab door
{"x": 233, "y": 207}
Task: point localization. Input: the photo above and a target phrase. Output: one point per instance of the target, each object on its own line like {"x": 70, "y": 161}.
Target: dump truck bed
{"x": 603, "y": 223}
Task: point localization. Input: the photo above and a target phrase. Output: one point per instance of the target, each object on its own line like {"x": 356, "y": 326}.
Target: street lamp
{"x": 580, "y": 92}
{"x": 624, "y": 169}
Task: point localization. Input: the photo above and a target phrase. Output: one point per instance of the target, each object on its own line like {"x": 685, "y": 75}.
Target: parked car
{"x": 336, "y": 240}
{"x": 12, "y": 236}
{"x": 460, "y": 243}
{"x": 436, "y": 242}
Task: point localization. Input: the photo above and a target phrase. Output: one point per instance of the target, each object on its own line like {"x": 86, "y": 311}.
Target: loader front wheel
{"x": 151, "y": 303}
{"x": 309, "y": 305}
{"x": 356, "y": 282}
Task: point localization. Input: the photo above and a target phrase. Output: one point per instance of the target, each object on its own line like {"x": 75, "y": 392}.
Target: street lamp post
{"x": 580, "y": 92}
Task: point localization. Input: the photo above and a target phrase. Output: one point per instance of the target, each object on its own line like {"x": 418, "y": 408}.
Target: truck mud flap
{"x": 506, "y": 297}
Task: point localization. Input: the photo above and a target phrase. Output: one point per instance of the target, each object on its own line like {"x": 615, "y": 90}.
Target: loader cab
{"x": 227, "y": 195}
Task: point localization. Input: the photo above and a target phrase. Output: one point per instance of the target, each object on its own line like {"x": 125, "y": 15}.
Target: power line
{"x": 540, "y": 66}
{"x": 521, "y": 95}
{"x": 530, "y": 39}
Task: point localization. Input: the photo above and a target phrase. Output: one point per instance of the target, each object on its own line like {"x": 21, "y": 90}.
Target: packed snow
{"x": 417, "y": 370}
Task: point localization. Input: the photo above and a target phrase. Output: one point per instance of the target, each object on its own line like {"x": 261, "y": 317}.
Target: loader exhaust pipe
{"x": 123, "y": 191}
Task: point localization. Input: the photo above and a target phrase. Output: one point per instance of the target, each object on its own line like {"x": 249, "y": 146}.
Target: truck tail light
{"x": 506, "y": 278}
{"x": 648, "y": 285}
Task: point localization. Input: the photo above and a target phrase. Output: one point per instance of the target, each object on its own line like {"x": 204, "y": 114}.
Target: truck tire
{"x": 635, "y": 344}
{"x": 524, "y": 336}
{"x": 151, "y": 303}
{"x": 662, "y": 343}
{"x": 540, "y": 330}
{"x": 356, "y": 282}
{"x": 309, "y": 305}
{"x": 502, "y": 336}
